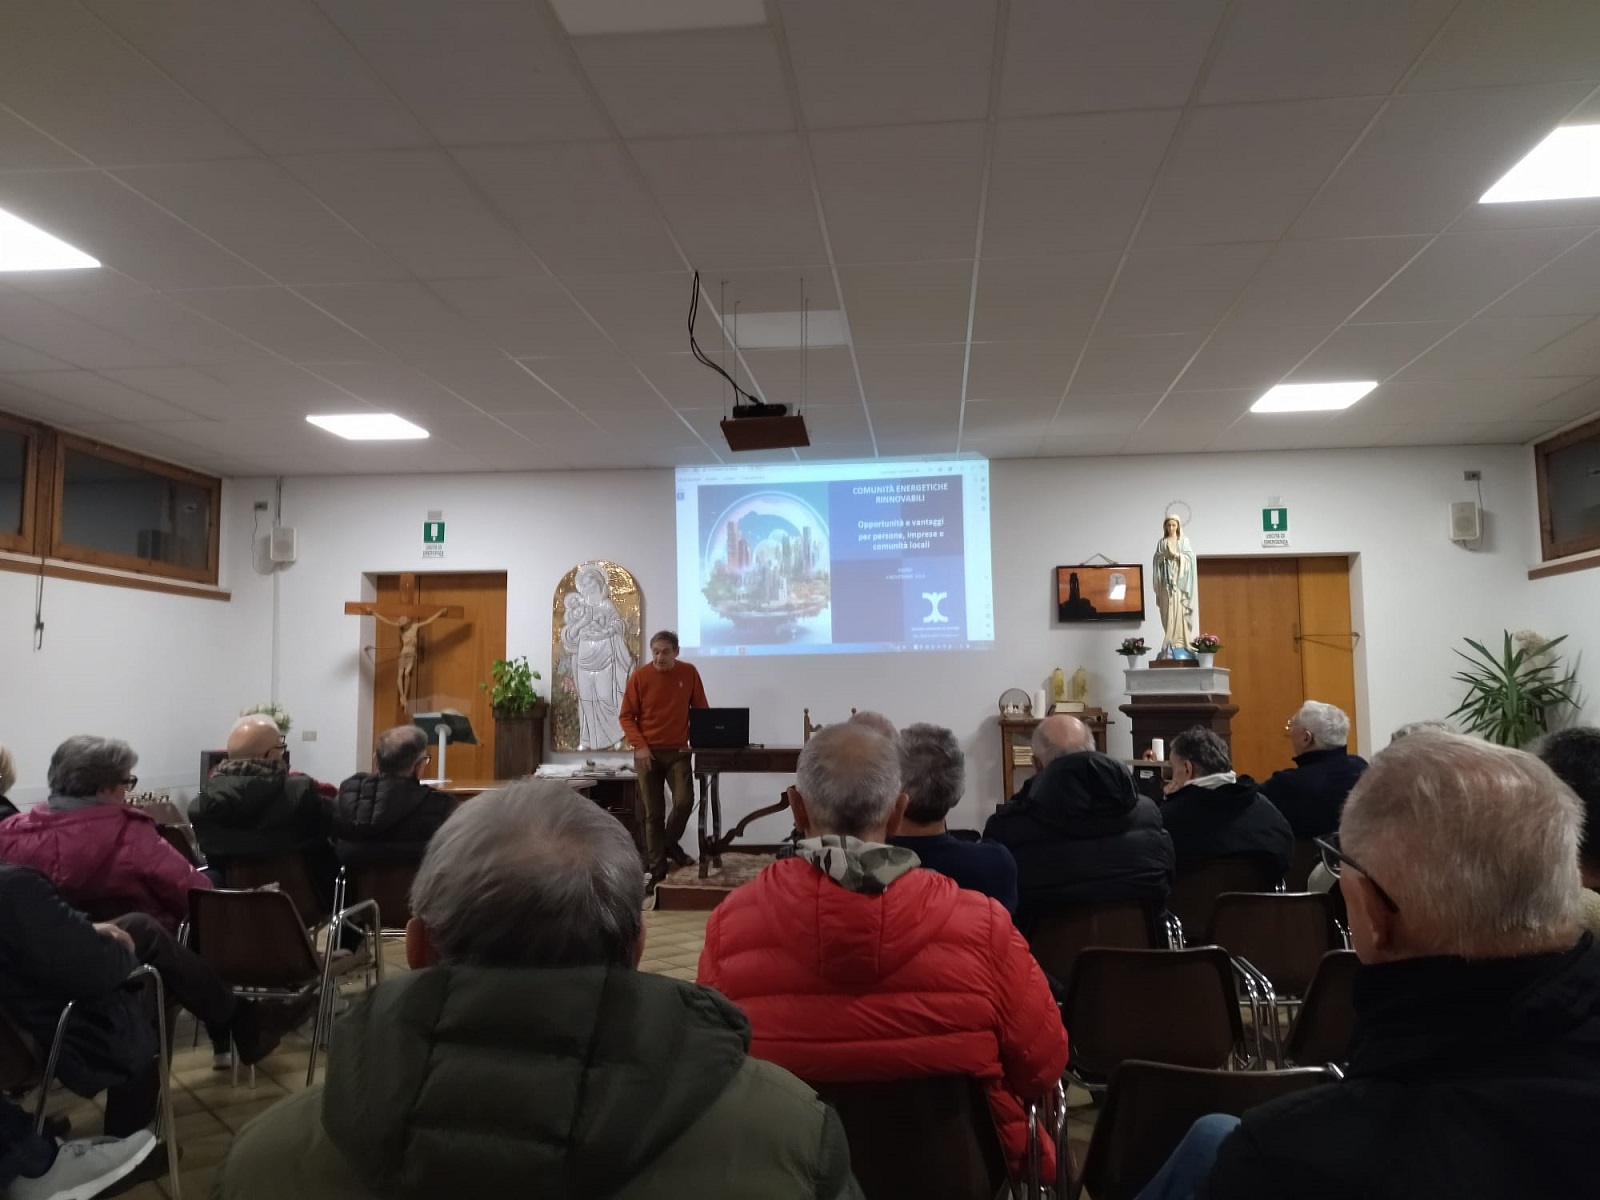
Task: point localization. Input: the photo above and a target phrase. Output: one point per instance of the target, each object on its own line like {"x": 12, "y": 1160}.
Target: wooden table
{"x": 466, "y": 789}
{"x": 710, "y": 766}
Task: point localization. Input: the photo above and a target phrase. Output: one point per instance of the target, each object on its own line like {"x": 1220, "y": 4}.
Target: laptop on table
{"x": 719, "y": 728}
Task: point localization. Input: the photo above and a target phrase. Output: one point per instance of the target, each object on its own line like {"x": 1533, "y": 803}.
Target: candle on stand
{"x": 1158, "y": 747}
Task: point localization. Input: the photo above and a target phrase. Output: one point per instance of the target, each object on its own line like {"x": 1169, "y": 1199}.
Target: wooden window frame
{"x": 1549, "y": 548}
{"x": 26, "y": 541}
{"x": 89, "y": 556}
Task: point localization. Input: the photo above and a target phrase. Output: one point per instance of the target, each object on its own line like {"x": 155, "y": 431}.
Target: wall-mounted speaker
{"x": 1466, "y": 521}
{"x": 280, "y": 549}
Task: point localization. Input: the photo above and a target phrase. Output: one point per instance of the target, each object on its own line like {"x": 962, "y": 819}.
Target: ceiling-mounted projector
{"x": 764, "y": 427}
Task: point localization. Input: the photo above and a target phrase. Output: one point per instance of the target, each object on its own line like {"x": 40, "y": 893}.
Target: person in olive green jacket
{"x": 525, "y": 1055}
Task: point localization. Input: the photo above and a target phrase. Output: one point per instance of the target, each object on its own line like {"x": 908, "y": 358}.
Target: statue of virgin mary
{"x": 1177, "y": 596}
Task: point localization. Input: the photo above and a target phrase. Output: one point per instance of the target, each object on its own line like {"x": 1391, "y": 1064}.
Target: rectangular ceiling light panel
{"x": 1313, "y": 397}
{"x": 25, "y": 247}
{"x": 369, "y": 427}
{"x": 1565, "y": 166}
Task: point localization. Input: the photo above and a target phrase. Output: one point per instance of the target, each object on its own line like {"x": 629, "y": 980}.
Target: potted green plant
{"x": 519, "y": 714}
{"x": 1205, "y": 647}
{"x": 1133, "y": 649}
{"x": 1511, "y": 696}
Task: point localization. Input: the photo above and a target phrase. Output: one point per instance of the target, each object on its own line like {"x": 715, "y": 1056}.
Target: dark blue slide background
{"x": 891, "y": 546}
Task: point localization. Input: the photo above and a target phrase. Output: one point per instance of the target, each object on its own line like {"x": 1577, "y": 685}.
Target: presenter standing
{"x": 655, "y": 720}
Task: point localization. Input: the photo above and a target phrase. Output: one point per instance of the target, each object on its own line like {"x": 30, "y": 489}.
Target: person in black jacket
{"x": 1475, "y": 1066}
{"x": 1081, "y": 834}
{"x": 1311, "y": 793}
{"x": 1213, "y": 813}
{"x": 389, "y": 816}
{"x": 51, "y": 955}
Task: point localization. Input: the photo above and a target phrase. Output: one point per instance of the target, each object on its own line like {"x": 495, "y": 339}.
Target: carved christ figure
{"x": 409, "y": 628}
{"x": 1177, "y": 591}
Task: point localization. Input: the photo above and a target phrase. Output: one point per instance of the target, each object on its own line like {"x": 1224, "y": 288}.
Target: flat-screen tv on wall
{"x": 1113, "y": 592}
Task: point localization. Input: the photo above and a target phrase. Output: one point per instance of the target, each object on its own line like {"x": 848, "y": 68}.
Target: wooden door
{"x": 453, "y": 657}
{"x": 1285, "y": 628}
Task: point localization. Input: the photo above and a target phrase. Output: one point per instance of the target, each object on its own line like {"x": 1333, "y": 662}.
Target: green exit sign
{"x": 1273, "y": 520}
{"x": 433, "y": 533}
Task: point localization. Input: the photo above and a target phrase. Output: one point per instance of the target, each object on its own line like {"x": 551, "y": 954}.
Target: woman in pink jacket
{"x": 103, "y": 856}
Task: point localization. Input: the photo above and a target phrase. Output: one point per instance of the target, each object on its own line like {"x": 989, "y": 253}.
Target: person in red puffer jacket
{"x": 103, "y": 857}
{"x": 853, "y": 964}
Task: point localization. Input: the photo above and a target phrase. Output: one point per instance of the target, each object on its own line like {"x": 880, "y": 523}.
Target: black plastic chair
{"x": 1279, "y": 938}
{"x": 1195, "y": 892}
{"x": 1326, "y": 1024}
{"x": 1057, "y": 938}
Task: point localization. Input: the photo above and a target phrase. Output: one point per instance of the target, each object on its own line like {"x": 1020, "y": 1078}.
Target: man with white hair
{"x": 1475, "y": 1068}
{"x": 526, "y": 1055}
{"x": 1081, "y": 833}
{"x": 854, "y": 965}
{"x": 1311, "y": 793}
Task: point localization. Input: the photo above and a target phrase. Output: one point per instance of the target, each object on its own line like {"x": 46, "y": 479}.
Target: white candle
{"x": 1158, "y": 747}
{"x": 1041, "y": 704}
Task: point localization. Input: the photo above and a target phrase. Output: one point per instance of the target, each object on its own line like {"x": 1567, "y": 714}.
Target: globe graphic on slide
{"x": 764, "y": 568}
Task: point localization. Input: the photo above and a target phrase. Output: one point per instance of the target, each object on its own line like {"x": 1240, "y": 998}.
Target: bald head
{"x": 1058, "y": 735}
{"x": 875, "y": 720}
{"x": 255, "y": 736}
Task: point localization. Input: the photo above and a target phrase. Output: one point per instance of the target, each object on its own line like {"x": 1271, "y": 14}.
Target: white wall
{"x": 1568, "y": 604}
{"x": 1417, "y": 593}
{"x": 170, "y": 673}
{"x": 163, "y": 672}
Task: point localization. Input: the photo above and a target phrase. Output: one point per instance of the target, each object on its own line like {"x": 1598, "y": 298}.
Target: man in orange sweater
{"x": 655, "y": 718}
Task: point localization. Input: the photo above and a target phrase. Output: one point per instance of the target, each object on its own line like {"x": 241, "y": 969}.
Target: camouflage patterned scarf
{"x": 855, "y": 865}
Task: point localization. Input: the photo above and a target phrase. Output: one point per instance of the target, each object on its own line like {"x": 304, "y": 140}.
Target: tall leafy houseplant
{"x": 1510, "y": 697}
{"x": 519, "y": 713}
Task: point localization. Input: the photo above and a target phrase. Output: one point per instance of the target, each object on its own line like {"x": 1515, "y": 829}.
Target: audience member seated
{"x": 1574, "y": 755}
{"x": 933, "y": 774}
{"x": 389, "y": 816}
{"x": 50, "y": 954}
{"x": 253, "y": 808}
{"x": 874, "y": 720}
{"x": 37, "y": 1167}
{"x": 103, "y": 856}
{"x": 524, "y": 949}
{"x": 1213, "y": 813}
{"x": 855, "y": 966}
{"x": 1081, "y": 834}
{"x": 1476, "y": 1062}
{"x": 8, "y": 780}
{"x": 1311, "y": 793}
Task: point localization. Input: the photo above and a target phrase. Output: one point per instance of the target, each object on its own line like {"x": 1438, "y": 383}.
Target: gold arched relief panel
{"x": 594, "y": 635}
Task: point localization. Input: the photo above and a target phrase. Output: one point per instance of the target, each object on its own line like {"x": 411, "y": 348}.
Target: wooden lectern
{"x": 1163, "y": 703}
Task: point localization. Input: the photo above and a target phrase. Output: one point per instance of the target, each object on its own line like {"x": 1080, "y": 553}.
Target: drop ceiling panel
{"x": 275, "y": 70}
{"x": 20, "y": 400}
{"x": 1430, "y": 156}
{"x": 62, "y": 70}
{"x": 418, "y": 207}
{"x": 1578, "y": 353}
{"x": 604, "y": 388}
{"x": 1493, "y": 348}
{"x": 1580, "y": 401}
{"x": 1118, "y": 364}
{"x": 281, "y": 321}
{"x": 1084, "y": 416}
{"x": 992, "y": 419}
{"x": 1300, "y": 49}
{"x": 1369, "y": 351}
{"x": 891, "y": 61}
{"x": 26, "y": 148}
{"x": 1013, "y": 372}
{"x": 165, "y": 440}
{"x": 902, "y": 192}
{"x": 123, "y": 230}
{"x": 524, "y": 316}
{"x": 19, "y": 358}
{"x": 1244, "y": 172}
{"x": 190, "y": 389}
{"x": 830, "y": 376}
{"x": 1044, "y": 296}
{"x": 741, "y": 201}
{"x": 395, "y": 387}
{"x": 910, "y": 302}
{"x": 112, "y": 400}
{"x": 37, "y": 326}
{"x": 1066, "y": 56}
{"x": 495, "y": 385}
{"x": 1570, "y": 284}
{"x": 1061, "y": 184}
{"x": 404, "y": 318}
{"x": 1465, "y": 399}
{"x": 577, "y": 203}
{"x": 929, "y": 417}
{"x": 1244, "y": 355}
{"x": 1525, "y": 41}
{"x": 901, "y": 375}
{"x": 1462, "y": 273}
{"x": 1321, "y": 283}
{"x": 473, "y": 71}
{"x": 640, "y": 312}
{"x": 713, "y": 81}
{"x": 1180, "y": 288}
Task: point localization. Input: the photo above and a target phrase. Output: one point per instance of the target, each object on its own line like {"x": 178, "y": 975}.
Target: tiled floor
{"x": 210, "y": 1109}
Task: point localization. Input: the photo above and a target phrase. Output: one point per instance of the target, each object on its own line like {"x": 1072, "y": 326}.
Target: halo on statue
{"x": 595, "y": 618}
{"x": 1177, "y": 508}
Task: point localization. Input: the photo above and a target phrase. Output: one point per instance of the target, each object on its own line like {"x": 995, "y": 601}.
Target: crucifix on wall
{"x": 408, "y": 619}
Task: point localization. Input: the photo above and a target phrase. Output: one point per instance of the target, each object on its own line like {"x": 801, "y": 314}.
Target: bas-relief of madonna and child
{"x": 595, "y": 622}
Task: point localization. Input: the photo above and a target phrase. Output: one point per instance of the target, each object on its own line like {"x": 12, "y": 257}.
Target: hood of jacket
{"x": 1087, "y": 795}
{"x": 375, "y": 804}
{"x": 855, "y": 938}
{"x": 240, "y": 799}
{"x": 560, "y": 1083}
{"x": 1238, "y": 794}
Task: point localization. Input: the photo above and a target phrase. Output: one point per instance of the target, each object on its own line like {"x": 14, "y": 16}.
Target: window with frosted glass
{"x": 1569, "y": 478}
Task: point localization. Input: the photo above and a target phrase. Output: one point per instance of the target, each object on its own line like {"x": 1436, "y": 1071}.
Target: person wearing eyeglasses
{"x": 1475, "y": 1062}
{"x": 1311, "y": 793}
{"x": 103, "y": 855}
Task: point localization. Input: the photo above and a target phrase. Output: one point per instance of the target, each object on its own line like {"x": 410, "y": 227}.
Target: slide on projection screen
{"x": 834, "y": 559}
